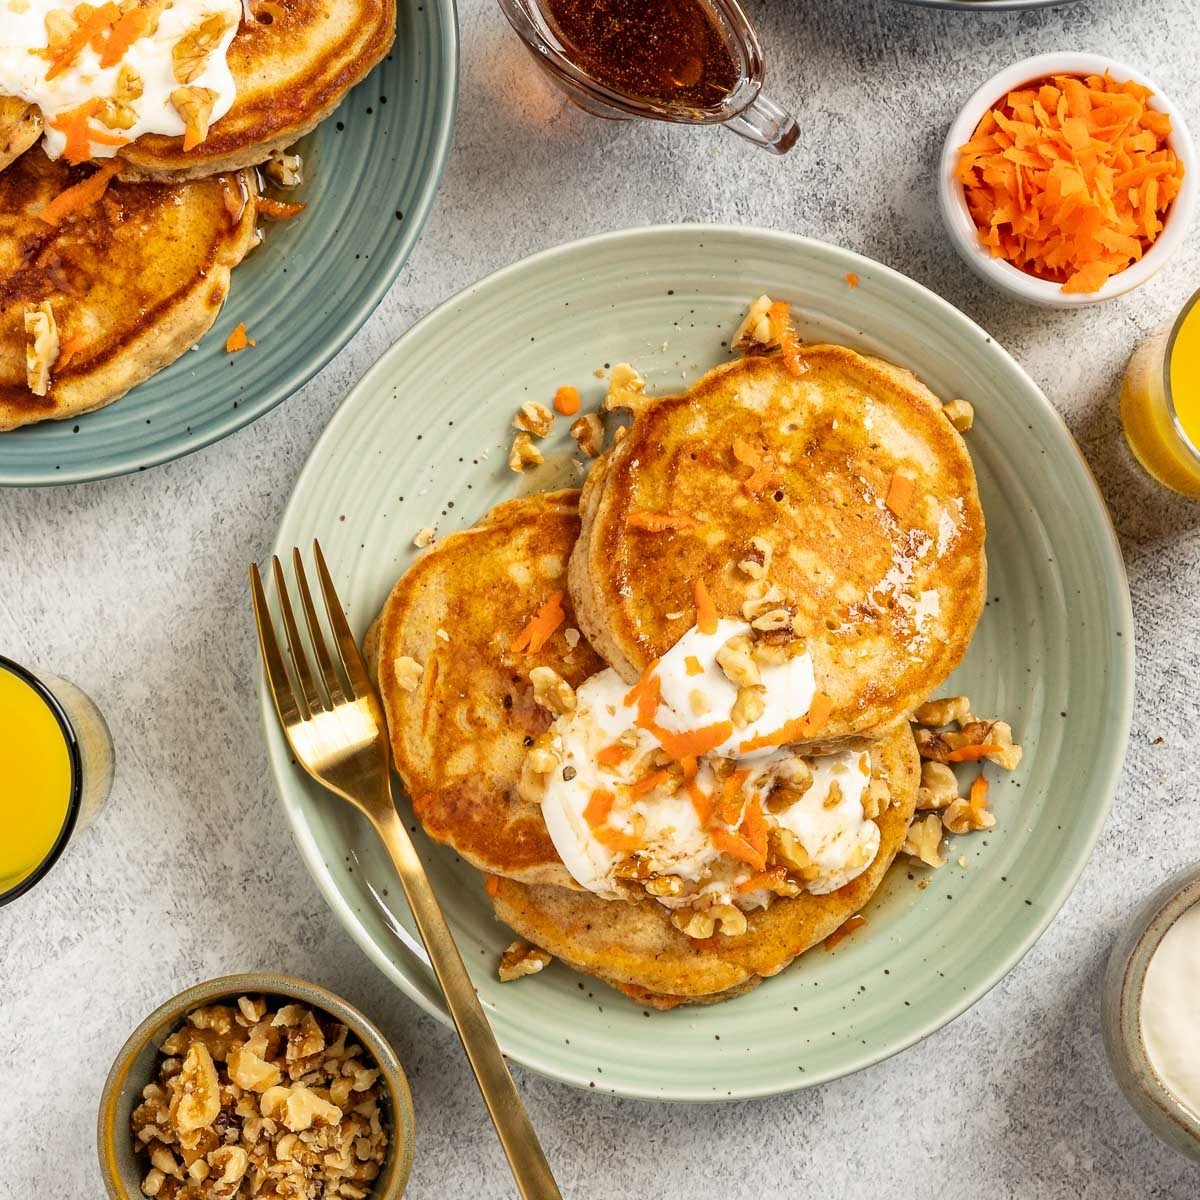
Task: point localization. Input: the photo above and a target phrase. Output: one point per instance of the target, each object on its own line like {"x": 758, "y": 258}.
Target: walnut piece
{"x": 408, "y": 673}
{"x": 41, "y": 347}
{"x": 755, "y": 333}
{"x": 749, "y": 706}
{"x": 736, "y": 660}
{"x": 970, "y": 813}
{"x": 523, "y": 453}
{"x": 757, "y": 560}
{"x": 588, "y": 432}
{"x": 626, "y": 389}
{"x": 194, "y": 106}
{"x": 190, "y": 54}
{"x": 423, "y": 537}
{"x": 521, "y": 959}
{"x": 924, "y": 840}
{"x": 939, "y": 786}
{"x": 534, "y": 418}
{"x": 946, "y": 711}
{"x": 552, "y": 691}
{"x": 876, "y": 799}
{"x": 284, "y": 170}
{"x": 960, "y": 414}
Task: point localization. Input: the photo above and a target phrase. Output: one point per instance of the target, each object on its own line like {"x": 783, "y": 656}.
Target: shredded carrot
{"x": 1070, "y": 179}
{"x": 693, "y": 741}
{"x": 610, "y": 756}
{"x": 852, "y": 279}
{"x": 706, "y": 612}
{"x": 80, "y": 135}
{"x": 598, "y": 807}
{"x": 972, "y": 753}
{"x": 617, "y": 839}
{"x": 690, "y": 764}
{"x": 541, "y": 627}
{"x": 91, "y": 27}
{"x": 796, "y": 730}
{"x": 238, "y": 339}
{"x": 730, "y": 807}
{"x": 762, "y": 469}
{"x": 977, "y": 796}
{"x": 129, "y": 27}
{"x": 762, "y": 879}
{"x": 780, "y": 317}
{"x": 491, "y": 884}
{"x": 754, "y": 827}
{"x": 659, "y": 522}
{"x": 647, "y": 783}
{"x": 278, "y": 210}
{"x": 702, "y": 802}
{"x": 566, "y": 401}
{"x": 645, "y": 694}
{"x": 69, "y": 350}
{"x": 82, "y": 195}
{"x": 691, "y": 664}
{"x": 900, "y": 495}
{"x": 738, "y": 847}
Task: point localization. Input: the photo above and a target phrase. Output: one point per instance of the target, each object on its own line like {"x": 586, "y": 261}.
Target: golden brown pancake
{"x": 292, "y": 64}
{"x": 635, "y": 946}
{"x": 885, "y": 602}
{"x": 20, "y": 127}
{"x": 133, "y": 280}
{"x": 459, "y": 739}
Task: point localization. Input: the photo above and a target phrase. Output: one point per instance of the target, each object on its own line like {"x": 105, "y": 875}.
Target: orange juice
{"x": 1160, "y": 402}
{"x": 37, "y": 779}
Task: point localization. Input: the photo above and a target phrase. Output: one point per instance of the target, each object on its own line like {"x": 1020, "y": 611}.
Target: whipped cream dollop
{"x": 619, "y": 810}
{"x": 182, "y": 48}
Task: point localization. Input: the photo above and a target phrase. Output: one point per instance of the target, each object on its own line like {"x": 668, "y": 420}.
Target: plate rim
{"x": 130, "y": 463}
{"x": 1111, "y": 763}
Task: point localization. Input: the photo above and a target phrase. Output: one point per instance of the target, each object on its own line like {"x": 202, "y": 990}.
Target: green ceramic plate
{"x": 422, "y": 441}
{"x": 373, "y": 168}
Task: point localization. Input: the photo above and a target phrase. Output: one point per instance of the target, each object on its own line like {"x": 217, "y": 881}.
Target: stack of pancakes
{"x": 801, "y": 455}
{"x": 136, "y": 277}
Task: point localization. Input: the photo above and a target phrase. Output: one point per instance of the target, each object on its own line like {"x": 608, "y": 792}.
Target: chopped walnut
{"x": 776, "y": 652}
{"x": 939, "y": 786}
{"x": 757, "y": 560}
{"x": 730, "y": 919}
{"x": 534, "y": 418}
{"x": 212, "y": 1131}
{"x": 423, "y": 537}
{"x": 765, "y": 598}
{"x": 755, "y": 333}
{"x": 542, "y": 758}
{"x": 408, "y": 673}
{"x": 523, "y": 453}
{"x": 117, "y": 112}
{"x": 41, "y": 347}
{"x": 665, "y": 885}
{"x": 626, "y": 389}
{"x": 960, "y": 414}
{"x": 787, "y": 849}
{"x": 552, "y": 691}
{"x": 946, "y": 711}
{"x": 699, "y": 702}
{"x": 786, "y": 793}
{"x": 284, "y": 170}
{"x": 736, "y": 660}
{"x": 876, "y": 799}
{"x": 588, "y": 432}
{"x": 194, "y": 106}
{"x": 749, "y": 706}
{"x": 190, "y": 54}
{"x": 924, "y": 840}
{"x": 696, "y": 925}
{"x": 970, "y": 813}
{"x": 521, "y": 959}
{"x": 774, "y": 620}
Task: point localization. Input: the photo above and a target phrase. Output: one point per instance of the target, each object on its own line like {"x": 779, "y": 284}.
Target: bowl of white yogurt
{"x": 1150, "y": 1012}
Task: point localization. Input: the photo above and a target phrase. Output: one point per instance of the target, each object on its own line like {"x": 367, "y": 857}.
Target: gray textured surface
{"x": 135, "y": 589}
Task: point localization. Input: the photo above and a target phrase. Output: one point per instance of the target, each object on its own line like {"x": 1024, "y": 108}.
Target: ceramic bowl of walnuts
{"x": 256, "y": 1086}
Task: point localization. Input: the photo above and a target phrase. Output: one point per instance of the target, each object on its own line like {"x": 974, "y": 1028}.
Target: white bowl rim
{"x": 961, "y": 226}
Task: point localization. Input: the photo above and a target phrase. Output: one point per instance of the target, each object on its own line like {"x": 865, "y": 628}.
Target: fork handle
{"x": 521, "y": 1146}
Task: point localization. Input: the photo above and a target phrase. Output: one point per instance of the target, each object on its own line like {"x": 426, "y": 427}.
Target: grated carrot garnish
{"x": 612, "y": 755}
{"x": 779, "y": 314}
{"x": 738, "y": 847}
{"x": 977, "y": 796}
{"x": 128, "y": 28}
{"x": 693, "y": 742}
{"x": 541, "y": 627}
{"x": 659, "y": 522}
{"x": 1070, "y": 179}
{"x": 702, "y": 802}
{"x": 566, "y": 401}
{"x": 645, "y": 695}
{"x": 796, "y": 730}
{"x": 692, "y": 665}
{"x": 647, "y": 783}
{"x": 80, "y": 196}
{"x": 690, "y": 765}
{"x": 68, "y": 351}
{"x": 616, "y": 839}
{"x": 238, "y": 339}
{"x": 900, "y": 495}
{"x": 598, "y": 807}
{"x": 972, "y": 753}
{"x": 706, "y": 612}
{"x": 754, "y": 827}
{"x": 80, "y": 135}
{"x": 491, "y": 884}
{"x": 852, "y": 279}
{"x": 278, "y": 210}
{"x": 762, "y": 879}
{"x": 730, "y": 807}
{"x": 762, "y": 473}
{"x": 91, "y": 28}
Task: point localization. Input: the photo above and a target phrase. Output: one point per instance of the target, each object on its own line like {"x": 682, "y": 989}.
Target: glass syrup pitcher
{"x": 694, "y": 62}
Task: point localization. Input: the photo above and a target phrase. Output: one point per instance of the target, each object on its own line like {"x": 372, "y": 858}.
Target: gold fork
{"x": 334, "y": 723}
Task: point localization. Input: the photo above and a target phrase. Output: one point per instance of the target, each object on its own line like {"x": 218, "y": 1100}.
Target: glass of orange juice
{"x": 1160, "y": 402}
{"x": 56, "y": 770}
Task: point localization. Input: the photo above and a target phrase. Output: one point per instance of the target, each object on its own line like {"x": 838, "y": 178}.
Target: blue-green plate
{"x": 372, "y": 171}
{"x": 422, "y": 440}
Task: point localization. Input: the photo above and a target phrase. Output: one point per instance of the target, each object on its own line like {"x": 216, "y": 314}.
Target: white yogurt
{"x": 1170, "y": 1010}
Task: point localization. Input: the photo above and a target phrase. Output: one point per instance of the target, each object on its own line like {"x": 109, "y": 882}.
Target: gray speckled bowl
{"x": 1120, "y": 1012}
{"x": 123, "y": 1171}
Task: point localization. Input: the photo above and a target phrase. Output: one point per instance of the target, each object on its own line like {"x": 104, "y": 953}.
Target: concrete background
{"x": 135, "y": 588}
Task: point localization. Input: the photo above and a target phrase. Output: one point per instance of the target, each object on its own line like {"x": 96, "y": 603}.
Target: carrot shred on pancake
{"x": 92, "y": 27}
{"x": 754, "y": 828}
{"x": 659, "y": 522}
{"x": 80, "y": 134}
{"x": 729, "y": 809}
{"x": 736, "y": 846}
{"x": 702, "y": 802}
{"x": 80, "y": 195}
{"x": 795, "y": 730}
{"x": 116, "y": 41}
{"x": 762, "y": 469}
{"x": 900, "y": 495}
{"x": 645, "y": 694}
{"x": 1071, "y": 179}
{"x": 706, "y": 612}
{"x": 762, "y": 879}
{"x": 238, "y": 339}
{"x": 491, "y": 884}
{"x": 779, "y": 314}
{"x": 541, "y": 627}
{"x": 278, "y": 210}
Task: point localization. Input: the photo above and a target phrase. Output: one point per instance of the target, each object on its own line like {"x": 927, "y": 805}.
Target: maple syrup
{"x": 673, "y": 52}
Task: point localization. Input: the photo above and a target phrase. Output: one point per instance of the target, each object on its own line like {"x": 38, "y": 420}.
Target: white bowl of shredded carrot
{"x": 1068, "y": 179}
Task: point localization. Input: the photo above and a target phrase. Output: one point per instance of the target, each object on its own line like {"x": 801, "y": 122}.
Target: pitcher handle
{"x": 767, "y": 125}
